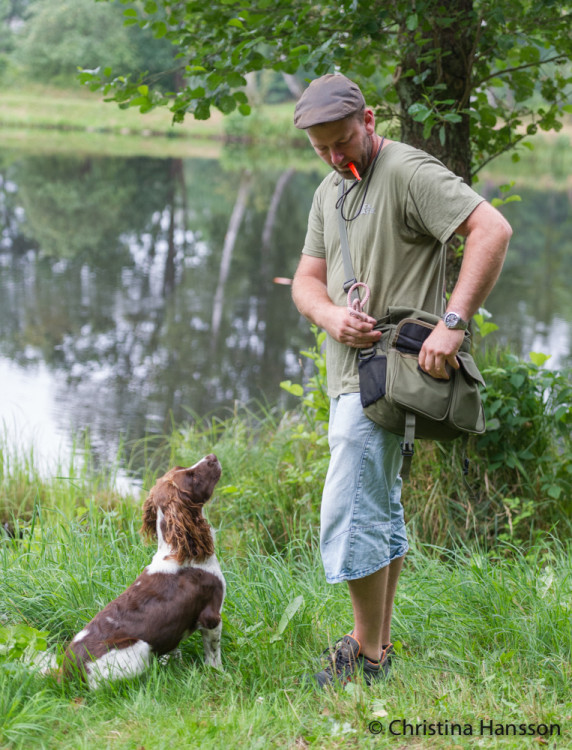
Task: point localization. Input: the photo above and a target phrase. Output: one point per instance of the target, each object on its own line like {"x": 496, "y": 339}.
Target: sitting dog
{"x": 182, "y": 590}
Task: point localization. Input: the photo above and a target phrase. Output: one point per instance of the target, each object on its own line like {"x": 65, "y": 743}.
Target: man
{"x": 399, "y": 216}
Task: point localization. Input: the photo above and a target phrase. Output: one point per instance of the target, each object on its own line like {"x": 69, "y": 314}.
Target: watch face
{"x": 451, "y": 319}
{"x": 454, "y": 320}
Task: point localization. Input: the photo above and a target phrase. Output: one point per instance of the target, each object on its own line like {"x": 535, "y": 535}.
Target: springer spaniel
{"x": 182, "y": 590}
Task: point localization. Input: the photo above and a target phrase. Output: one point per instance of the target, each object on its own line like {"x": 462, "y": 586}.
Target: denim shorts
{"x": 362, "y": 525}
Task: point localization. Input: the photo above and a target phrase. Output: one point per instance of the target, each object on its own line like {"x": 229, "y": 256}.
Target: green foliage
{"x": 315, "y": 400}
{"x": 16, "y": 640}
{"x": 528, "y": 440}
{"x": 504, "y": 189}
{"x": 484, "y": 75}
{"x": 57, "y": 38}
{"x": 483, "y": 325}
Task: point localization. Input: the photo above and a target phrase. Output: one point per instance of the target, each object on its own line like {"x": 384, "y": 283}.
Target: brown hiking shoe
{"x": 346, "y": 664}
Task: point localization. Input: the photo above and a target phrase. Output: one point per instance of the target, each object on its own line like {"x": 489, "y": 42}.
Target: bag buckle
{"x": 408, "y": 444}
{"x": 407, "y": 449}
{"x": 348, "y": 285}
{"x": 366, "y": 353}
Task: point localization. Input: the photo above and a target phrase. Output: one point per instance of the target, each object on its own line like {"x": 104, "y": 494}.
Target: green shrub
{"x": 520, "y": 480}
{"x": 527, "y": 448}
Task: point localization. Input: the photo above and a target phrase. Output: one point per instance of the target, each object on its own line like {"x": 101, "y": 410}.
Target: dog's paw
{"x": 176, "y": 655}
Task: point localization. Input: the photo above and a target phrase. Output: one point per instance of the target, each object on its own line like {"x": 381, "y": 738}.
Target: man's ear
{"x": 369, "y": 120}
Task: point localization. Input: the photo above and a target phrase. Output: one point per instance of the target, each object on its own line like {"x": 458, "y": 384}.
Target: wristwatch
{"x": 454, "y": 321}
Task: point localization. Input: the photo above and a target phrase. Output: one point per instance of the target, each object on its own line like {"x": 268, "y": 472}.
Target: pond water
{"x": 126, "y": 307}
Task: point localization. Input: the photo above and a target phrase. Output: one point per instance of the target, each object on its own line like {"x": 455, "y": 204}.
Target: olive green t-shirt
{"x": 407, "y": 211}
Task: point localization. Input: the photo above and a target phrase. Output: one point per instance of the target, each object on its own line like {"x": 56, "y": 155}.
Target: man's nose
{"x": 336, "y": 157}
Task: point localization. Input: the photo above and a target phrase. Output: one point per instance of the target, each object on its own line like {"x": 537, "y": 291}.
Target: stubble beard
{"x": 364, "y": 160}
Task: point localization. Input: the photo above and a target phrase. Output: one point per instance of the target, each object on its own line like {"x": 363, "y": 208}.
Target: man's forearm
{"x": 311, "y": 298}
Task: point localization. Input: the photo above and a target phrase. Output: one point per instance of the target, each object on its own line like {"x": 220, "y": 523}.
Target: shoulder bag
{"x": 397, "y": 394}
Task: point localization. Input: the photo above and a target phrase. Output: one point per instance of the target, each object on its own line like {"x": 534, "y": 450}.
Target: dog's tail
{"x": 42, "y": 662}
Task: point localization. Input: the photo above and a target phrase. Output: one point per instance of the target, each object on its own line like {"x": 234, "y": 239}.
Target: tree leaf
{"x": 412, "y": 21}
{"x": 294, "y": 388}
{"x": 538, "y": 358}
{"x": 159, "y": 29}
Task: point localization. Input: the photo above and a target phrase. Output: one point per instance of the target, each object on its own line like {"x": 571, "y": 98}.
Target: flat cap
{"x": 329, "y": 98}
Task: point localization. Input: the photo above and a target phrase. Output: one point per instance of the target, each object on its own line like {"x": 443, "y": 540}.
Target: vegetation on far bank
{"x": 74, "y": 108}
{"x": 50, "y": 119}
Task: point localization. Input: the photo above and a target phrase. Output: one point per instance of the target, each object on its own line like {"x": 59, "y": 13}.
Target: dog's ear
{"x": 149, "y": 525}
{"x": 186, "y": 531}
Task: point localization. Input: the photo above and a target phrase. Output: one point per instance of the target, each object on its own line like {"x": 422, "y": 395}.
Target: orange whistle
{"x": 354, "y": 171}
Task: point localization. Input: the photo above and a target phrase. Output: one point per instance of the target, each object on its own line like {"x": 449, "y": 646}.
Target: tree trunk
{"x": 443, "y": 58}
{"x": 295, "y": 87}
{"x": 440, "y": 54}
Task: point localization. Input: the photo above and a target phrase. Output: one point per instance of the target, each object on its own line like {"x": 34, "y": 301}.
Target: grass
{"x": 482, "y": 634}
{"x": 40, "y": 119}
{"x": 35, "y": 106}
{"x": 66, "y": 490}
{"x": 46, "y": 141}
{"x": 478, "y": 638}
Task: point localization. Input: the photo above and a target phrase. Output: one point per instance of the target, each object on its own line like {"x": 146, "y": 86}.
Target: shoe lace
{"x": 343, "y": 658}
{"x": 331, "y": 650}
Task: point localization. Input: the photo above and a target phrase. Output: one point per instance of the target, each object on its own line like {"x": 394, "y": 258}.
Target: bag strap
{"x": 346, "y": 257}
{"x": 408, "y": 444}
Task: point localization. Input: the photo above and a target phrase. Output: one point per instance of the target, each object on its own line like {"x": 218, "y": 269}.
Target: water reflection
{"x": 532, "y": 301}
{"x": 144, "y": 286}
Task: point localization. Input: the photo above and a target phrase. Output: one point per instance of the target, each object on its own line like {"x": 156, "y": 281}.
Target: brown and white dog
{"x": 182, "y": 590}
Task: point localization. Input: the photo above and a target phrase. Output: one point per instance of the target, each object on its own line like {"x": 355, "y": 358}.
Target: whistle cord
{"x": 342, "y": 199}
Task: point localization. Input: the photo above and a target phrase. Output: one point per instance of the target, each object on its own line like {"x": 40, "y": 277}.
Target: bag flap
{"x": 469, "y": 367}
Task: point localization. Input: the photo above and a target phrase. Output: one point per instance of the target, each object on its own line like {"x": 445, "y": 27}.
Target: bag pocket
{"x": 410, "y": 336}
{"x": 372, "y": 378}
{"x": 414, "y": 390}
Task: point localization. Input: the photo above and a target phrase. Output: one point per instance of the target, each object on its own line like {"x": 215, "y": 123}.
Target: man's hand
{"x": 350, "y": 329}
{"x": 439, "y": 350}
{"x": 309, "y": 291}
